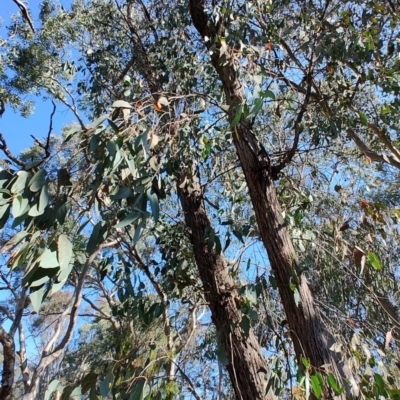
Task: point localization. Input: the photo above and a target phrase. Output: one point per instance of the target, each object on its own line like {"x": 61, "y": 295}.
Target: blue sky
{"x": 16, "y": 129}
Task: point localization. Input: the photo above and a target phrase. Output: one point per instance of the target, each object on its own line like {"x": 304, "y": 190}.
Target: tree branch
{"x": 25, "y": 13}
{"x": 49, "y": 356}
{"x": 4, "y": 148}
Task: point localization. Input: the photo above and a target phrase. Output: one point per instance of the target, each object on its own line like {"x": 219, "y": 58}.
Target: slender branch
{"x": 384, "y": 139}
{"x": 187, "y": 379}
{"x": 25, "y": 13}
{"x": 369, "y": 153}
{"x": 102, "y": 315}
{"x": 19, "y": 309}
{"x": 49, "y": 356}
{"x": 4, "y": 148}
{"x": 135, "y": 258}
{"x": 2, "y": 107}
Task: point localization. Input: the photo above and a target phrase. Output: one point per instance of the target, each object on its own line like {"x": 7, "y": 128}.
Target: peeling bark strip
{"x": 309, "y": 334}
{"x": 246, "y": 365}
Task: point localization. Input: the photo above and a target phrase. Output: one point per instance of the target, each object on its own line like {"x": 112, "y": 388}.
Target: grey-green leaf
{"x": 20, "y": 184}
{"x": 153, "y": 198}
{"x": 37, "y": 298}
{"x": 49, "y": 259}
{"x": 37, "y": 181}
{"x": 64, "y": 250}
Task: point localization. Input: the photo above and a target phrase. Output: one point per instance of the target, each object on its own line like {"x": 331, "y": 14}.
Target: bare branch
{"x": 369, "y": 153}
{"x": 25, "y": 13}
{"x": 4, "y": 148}
{"x": 2, "y": 107}
{"x": 23, "y": 358}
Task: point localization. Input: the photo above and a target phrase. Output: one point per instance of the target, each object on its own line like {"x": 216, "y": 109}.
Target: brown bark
{"x": 308, "y": 332}
{"x": 7, "y": 379}
{"x": 246, "y": 365}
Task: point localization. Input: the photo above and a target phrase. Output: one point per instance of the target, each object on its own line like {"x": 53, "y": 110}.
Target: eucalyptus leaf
{"x": 37, "y": 181}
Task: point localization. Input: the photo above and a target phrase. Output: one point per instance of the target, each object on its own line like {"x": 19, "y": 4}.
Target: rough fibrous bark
{"x": 309, "y": 334}
{"x": 246, "y": 364}
{"x": 7, "y": 379}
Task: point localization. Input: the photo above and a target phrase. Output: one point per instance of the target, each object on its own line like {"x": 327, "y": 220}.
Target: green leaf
{"x": 306, "y": 362}
{"x": 54, "y": 385}
{"x": 138, "y": 231}
{"x": 76, "y": 394}
{"x": 380, "y": 384}
{"x": 36, "y": 297}
{"x": 20, "y": 184}
{"x": 268, "y": 94}
{"x": 4, "y": 214}
{"x": 89, "y": 381}
{"x": 99, "y": 234}
{"x": 123, "y": 193}
{"x": 20, "y": 206}
{"x": 59, "y": 285}
{"x": 5, "y": 177}
{"x": 37, "y": 181}
{"x": 153, "y": 198}
{"x": 374, "y": 260}
{"x": 333, "y": 383}
{"x": 316, "y": 386}
{"x": 39, "y": 208}
{"x": 238, "y": 115}
{"x": 112, "y": 148}
{"x": 245, "y": 325}
{"x": 137, "y": 394}
{"x": 48, "y": 259}
{"x": 61, "y": 213}
{"x": 258, "y": 103}
{"x": 98, "y": 121}
{"x": 113, "y": 126}
{"x": 64, "y": 250}
{"x": 106, "y": 384}
{"x": 34, "y": 211}
{"x": 82, "y": 227}
{"x": 363, "y": 118}
{"x": 129, "y": 219}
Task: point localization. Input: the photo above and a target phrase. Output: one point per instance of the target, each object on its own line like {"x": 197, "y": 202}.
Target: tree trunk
{"x": 7, "y": 378}
{"x": 309, "y": 334}
{"x": 246, "y": 365}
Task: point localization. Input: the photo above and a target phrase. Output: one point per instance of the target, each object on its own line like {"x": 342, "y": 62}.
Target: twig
{"x": 25, "y": 13}
{"x": 2, "y": 107}
{"x": 50, "y": 128}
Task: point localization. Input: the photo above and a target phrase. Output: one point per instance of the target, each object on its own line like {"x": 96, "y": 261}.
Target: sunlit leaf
{"x": 374, "y": 260}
